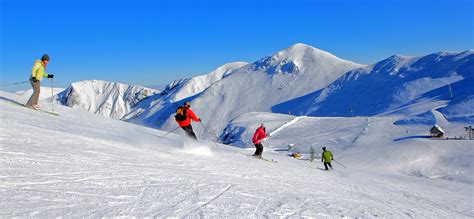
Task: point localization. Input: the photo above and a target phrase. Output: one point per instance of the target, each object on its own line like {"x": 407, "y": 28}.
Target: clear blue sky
{"x": 154, "y": 42}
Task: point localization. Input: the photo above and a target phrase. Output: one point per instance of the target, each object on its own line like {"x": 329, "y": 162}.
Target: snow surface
{"x": 371, "y": 138}
{"x": 84, "y": 165}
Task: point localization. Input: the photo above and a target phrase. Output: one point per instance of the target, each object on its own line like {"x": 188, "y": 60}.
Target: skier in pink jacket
{"x": 258, "y": 136}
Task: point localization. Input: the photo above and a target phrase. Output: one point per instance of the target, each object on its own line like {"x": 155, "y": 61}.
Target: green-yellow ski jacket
{"x": 38, "y": 70}
{"x": 326, "y": 157}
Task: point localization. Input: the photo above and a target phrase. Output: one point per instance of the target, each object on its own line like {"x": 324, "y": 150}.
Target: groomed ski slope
{"x": 84, "y": 165}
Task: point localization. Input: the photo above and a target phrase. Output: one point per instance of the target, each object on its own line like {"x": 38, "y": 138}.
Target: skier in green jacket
{"x": 326, "y": 158}
{"x": 37, "y": 73}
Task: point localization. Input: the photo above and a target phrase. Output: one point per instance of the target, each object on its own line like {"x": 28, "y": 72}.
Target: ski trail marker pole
{"x": 339, "y": 163}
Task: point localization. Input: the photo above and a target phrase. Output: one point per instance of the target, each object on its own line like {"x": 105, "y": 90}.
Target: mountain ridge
{"x": 258, "y": 86}
{"x": 401, "y": 79}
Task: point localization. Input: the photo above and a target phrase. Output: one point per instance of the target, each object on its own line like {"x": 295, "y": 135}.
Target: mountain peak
{"x": 299, "y": 57}
{"x": 301, "y": 48}
{"x": 111, "y": 99}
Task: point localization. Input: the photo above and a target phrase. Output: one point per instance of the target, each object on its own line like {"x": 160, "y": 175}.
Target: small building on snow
{"x": 437, "y": 132}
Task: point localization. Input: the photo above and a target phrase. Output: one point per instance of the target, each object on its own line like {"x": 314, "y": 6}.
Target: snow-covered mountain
{"x": 184, "y": 88}
{"x": 110, "y": 99}
{"x": 299, "y": 80}
{"x": 61, "y": 166}
{"x": 292, "y": 72}
{"x": 397, "y": 85}
{"x": 158, "y": 108}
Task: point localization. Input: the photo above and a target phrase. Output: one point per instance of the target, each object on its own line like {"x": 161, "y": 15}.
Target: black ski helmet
{"x": 45, "y": 57}
{"x": 324, "y": 148}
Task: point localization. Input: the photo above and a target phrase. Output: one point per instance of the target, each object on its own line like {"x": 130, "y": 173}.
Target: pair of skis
{"x": 38, "y": 110}
{"x": 265, "y": 159}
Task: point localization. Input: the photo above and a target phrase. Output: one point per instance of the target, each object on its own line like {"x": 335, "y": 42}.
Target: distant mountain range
{"x": 282, "y": 76}
{"x": 397, "y": 85}
{"x": 299, "y": 80}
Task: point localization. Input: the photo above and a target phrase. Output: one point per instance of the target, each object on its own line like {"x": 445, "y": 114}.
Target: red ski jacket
{"x": 189, "y": 115}
{"x": 259, "y": 135}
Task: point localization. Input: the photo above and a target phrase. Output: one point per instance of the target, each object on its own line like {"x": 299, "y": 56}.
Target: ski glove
{"x": 51, "y": 76}
{"x": 34, "y": 79}
{"x": 199, "y": 120}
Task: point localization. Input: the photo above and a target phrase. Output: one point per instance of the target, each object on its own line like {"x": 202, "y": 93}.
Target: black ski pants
{"x": 326, "y": 165}
{"x": 259, "y": 149}
{"x": 189, "y": 131}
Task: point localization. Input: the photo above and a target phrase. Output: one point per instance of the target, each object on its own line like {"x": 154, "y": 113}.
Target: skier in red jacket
{"x": 257, "y": 138}
{"x": 184, "y": 120}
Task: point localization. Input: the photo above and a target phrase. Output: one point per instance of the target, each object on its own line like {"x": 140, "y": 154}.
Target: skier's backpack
{"x": 180, "y": 113}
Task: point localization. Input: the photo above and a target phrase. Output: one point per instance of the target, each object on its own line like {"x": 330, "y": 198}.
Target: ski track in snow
{"x": 293, "y": 121}
{"x": 82, "y": 165}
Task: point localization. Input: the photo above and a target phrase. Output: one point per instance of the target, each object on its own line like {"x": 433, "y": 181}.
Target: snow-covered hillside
{"x": 185, "y": 88}
{"x": 160, "y": 107}
{"x": 110, "y": 99}
{"x": 84, "y": 165}
{"x": 397, "y": 85}
{"x": 287, "y": 74}
{"x": 364, "y": 142}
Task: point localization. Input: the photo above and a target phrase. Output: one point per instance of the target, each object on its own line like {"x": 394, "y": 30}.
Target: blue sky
{"x": 155, "y": 42}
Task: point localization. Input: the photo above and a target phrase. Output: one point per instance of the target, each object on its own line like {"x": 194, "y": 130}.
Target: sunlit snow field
{"x": 84, "y": 165}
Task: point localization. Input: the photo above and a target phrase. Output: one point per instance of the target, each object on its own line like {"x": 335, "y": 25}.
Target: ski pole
{"x": 23, "y": 82}
{"x": 52, "y": 96}
{"x": 208, "y": 132}
{"x": 267, "y": 139}
{"x": 339, "y": 163}
{"x": 168, "y": 133}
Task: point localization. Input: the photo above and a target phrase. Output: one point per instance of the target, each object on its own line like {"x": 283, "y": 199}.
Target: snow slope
{"x": 110, "y": 99}
{"x": 373, "y": 143}
{"x": 83, "y": 165}
{"x": 287, "y": 74}
{"x": 397, "y": 85}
